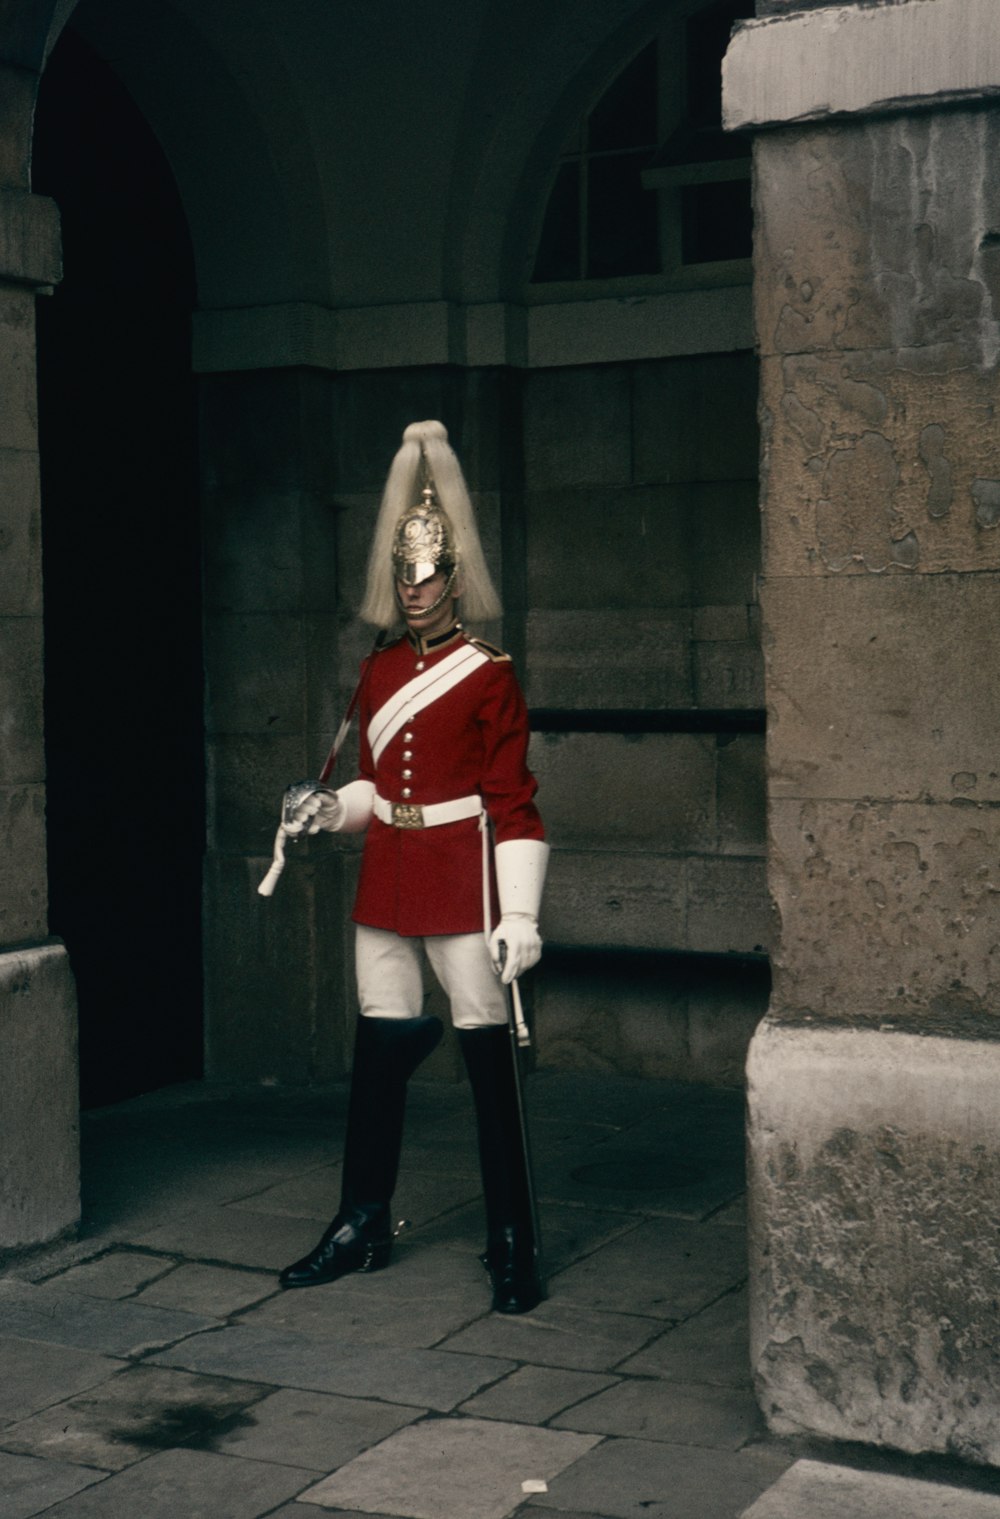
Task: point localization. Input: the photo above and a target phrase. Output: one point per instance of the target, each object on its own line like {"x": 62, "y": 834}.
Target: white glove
{"x": 520, "y": 866}
{"x": 520, "y": 934}
{"x": 309, "y": 807}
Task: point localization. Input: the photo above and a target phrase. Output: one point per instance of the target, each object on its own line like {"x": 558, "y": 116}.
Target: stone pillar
{"x": 874, "y": 1129}
{"x": 39, "y": 1192}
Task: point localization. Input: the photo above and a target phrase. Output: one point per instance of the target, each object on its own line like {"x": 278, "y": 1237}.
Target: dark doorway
{"x": 121, "y": 556}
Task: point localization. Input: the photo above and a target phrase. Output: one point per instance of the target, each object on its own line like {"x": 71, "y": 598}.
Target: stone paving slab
{"x": 392, "y": 1307}
{"x": 664, "y": 1268}
{"x": 449, "y": 1469}
{"x": 119, "y": 1273}
{"x": 420, "y": 1196}
{"x": 232, "y": 1236}
{"x": 115, "y": 1327}
{"x": 417, "y": 1378}
{"x": 36, "y": 1374}
{"x": 568, "y": 1232}
{"x": 713, "y": 1346}
{"x": 557, "y": 1334}
{"x": 645, "y": 1170}
{"x": 312, "y": 1430}
{"x": 217, "y": 1291}
{"x": 29, "y": 1486}
{"x": 141, "y": 1409}
{"x": 186, "y": 1484}
{"x": 618, "y": 1101}
{"x": 535, "y": 1394}
{"x": 675, "y": 1412}
{"x": 634, "y": 1479}
{"x": 819, "y": 1490}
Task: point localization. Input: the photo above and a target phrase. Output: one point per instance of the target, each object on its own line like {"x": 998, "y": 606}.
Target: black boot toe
{"x": 359, "y": 1241}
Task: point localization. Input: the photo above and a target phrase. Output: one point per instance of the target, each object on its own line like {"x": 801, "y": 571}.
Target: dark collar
{"x": 431, "y": 645}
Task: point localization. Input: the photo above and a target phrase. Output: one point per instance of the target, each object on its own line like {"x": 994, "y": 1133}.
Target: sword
{"x": 519, "y": 1039}
{"x": 295, "y": 795}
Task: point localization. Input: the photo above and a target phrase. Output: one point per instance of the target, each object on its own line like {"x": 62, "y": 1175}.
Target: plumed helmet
{"x": 426, "y": 523}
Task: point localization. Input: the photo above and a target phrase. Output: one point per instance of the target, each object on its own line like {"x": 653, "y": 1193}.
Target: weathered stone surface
{"x": 194, "y": 1482}
{"x": 862, "y": 57}
{"x": 831, "y": 276}
{"x": 818, "y": 1488}
{"x": 619, "y": 660}
{"x": 674, "y": 1269}
{"x": 415, "y": 1378}
{"x": 887, "y": 914}
{"x": 19, "y": 414}
{"x": 577, "y": 427}
{"x": 652, "y": 790}
{"x": 311, "y": 1429}
{"x": 727, "y": 910}
{"x": 678, "y": 404}
{"x": 710, "y": 1347}
{"x": 874, "y": 1163}
{"x": 22, "y": 759}
{"x": 671, "y": 545}
{"x": 30, "y": 1486}
{"x": 622, "y": 1479}
{"x": 23, "y": 888}
{"x": 460, "y": 1469}
{"x": 657, "y": 1016}
{"x": 37, "y": 1374}
{"x": 606, "y": 900}
{"x": 741, "y": 794}
{"x": 270, "y": 551}
{"x": 20, "y": 534}
{"x": 675, "y": 1413}
{"x": 145, "y": 1408}
{"x": 616, "y": 901}
{"x": 57, "y": 1317}
{"x": 40, "y": 1183}
{"x": 30, "y": 242}
{"x": 275, "y": 1014}
{"x": 556, "y": 1333}
{"x": 899, "y": 702}
{"x": 880, "y": 463}
{"x": 534, "y": 1393}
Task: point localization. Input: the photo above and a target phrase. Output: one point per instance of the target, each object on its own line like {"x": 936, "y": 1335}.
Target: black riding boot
{"x": 386, "y": 1053}
{"x": 510, "y": 1255}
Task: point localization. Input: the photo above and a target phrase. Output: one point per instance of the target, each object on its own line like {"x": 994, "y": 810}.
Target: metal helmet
{"x": 423, "y": 542}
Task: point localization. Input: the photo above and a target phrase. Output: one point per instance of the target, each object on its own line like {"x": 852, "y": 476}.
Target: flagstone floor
{"x": 152, "y": 1368}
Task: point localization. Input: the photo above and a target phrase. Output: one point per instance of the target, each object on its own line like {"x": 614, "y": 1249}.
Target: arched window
{"x": 649, "y": 184}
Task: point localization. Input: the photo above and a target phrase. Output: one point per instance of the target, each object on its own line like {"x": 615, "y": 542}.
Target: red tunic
{"x": 472, "y": 740}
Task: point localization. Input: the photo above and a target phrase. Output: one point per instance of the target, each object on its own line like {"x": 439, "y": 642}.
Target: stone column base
{"x": 875, "y": 1237}
{"x": 39, "y": 1098}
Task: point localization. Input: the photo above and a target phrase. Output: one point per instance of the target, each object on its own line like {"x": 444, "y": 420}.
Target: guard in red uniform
{"x": 454, "y": 863}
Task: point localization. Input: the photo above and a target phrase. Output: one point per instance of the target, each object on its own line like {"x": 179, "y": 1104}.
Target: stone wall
{"x": 40, "y": 1195}
{"x": 873, "y": 1145}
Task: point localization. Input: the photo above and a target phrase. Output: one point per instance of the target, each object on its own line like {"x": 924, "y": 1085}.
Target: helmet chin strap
{"x": 419, "y": 614}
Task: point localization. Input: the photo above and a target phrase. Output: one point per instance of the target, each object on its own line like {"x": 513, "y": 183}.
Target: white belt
{"x": 412, "y": 815}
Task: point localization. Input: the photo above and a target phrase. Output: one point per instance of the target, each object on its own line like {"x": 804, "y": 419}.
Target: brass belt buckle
{"x": 407, "y": 815}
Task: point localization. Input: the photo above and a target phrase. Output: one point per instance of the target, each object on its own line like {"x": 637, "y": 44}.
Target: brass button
{"x": 407, "y": 791}
{"x": 407, "y": 775}
{"x": 407, "y": 738}
{"x": 420, "y": 664}
{"x": 407, "y": 754}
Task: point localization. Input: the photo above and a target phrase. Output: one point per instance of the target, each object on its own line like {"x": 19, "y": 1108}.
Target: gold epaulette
{"x": 497, "y": 655}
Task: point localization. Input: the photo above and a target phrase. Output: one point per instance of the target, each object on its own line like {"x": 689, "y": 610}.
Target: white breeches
{"x": 391, "y": 982}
